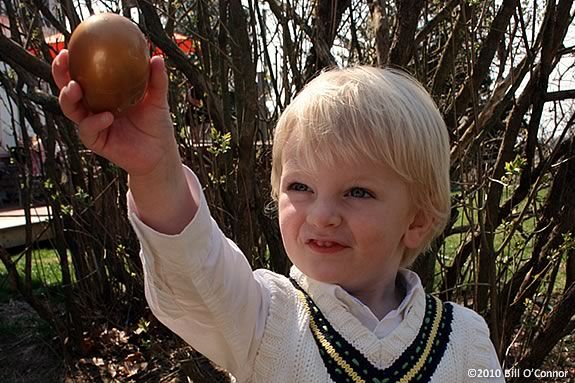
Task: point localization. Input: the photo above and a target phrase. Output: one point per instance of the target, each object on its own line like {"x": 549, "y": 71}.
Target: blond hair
{"x": 382, "y": 115}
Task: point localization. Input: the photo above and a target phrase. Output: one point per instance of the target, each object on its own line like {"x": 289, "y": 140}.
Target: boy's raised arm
{"x": 198, "y": 283}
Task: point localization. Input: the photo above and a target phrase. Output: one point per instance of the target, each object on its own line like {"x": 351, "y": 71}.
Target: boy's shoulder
{"x": 274, "y": 282}
{"x": 268, "y": 275}
{"x": 465, "y": 314}
{"x": 468, "y": 322}
{"x": 471, "y": 339}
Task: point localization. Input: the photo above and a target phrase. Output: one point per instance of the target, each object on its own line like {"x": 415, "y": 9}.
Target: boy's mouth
{"x": 325, "y": 246}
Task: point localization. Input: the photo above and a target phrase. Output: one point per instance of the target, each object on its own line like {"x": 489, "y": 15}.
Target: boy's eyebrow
{"x": 362, "y": 180}
{"x": 293, "y": 165}
{"x": 369, "y": 182}
{"x": 296, "y": 173}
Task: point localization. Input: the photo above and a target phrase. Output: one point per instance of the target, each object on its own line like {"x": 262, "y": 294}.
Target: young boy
{"x": 361, "y": 178}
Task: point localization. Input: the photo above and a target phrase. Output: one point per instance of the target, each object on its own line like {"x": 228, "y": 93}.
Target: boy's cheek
{"x": 287, "y": 224}
{"x": 288, "y": 207}
{"x": 290, "y": 223}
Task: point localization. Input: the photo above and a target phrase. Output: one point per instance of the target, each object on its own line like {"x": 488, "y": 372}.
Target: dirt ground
{"x": 29, "y": 354}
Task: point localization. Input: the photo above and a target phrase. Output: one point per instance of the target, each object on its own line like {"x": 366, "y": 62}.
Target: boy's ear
{"x": 418, "y": 229}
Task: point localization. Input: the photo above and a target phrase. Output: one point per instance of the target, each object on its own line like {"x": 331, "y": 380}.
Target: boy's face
{"x": 346, "y": 223}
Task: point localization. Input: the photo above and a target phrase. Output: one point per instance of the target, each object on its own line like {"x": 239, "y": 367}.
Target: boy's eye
{"x": 359, "y": 193}
{"x": 298, "y": 187}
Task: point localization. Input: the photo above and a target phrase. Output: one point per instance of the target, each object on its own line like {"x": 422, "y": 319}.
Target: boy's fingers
{"x": 158, "y": 85}
{"x": 71, "y": 102}
{"x": 60, "y": 71}
{"x": 90, "y": 128}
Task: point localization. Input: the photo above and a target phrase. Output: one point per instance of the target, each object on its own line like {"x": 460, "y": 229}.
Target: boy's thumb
{"x": 158, "y": 83}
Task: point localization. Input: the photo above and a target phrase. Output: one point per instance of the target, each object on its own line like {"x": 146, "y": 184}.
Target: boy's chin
{"x": 324, "y": 276}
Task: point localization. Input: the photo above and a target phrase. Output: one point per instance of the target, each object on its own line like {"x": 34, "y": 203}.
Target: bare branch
{"x": 402, "y": 47}
{"x": 560, "y": 95}
{"x": 481, "y": 67}
{"x": 171, "y": 49}
{"x": 450, "y": 50}
{"x": 327, "y": 18}
{"x": 439, "y": 17}
{"x": 379, "y": 20}
{"x": 41, "y": 5}
{"x": 558, "y": 321}
{"x": 16, "y": 56}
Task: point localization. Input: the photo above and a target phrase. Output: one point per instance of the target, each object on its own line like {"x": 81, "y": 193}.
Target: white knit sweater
{"x": 288, "y": 352}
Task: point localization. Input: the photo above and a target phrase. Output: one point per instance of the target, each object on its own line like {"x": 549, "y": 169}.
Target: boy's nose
{"x": 323, "y": 214}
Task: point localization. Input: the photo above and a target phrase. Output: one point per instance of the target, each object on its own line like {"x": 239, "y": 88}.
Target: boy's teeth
{"x": 324, "y": 243}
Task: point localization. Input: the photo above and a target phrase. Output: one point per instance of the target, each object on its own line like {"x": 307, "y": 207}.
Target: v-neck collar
{"x": 380, "y": 351}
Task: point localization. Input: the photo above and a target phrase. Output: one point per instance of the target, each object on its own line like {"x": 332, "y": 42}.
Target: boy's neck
{"x": 385, "y": 299}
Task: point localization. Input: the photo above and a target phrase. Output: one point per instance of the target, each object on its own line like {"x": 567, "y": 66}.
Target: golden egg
{"x": 110, "y": 59}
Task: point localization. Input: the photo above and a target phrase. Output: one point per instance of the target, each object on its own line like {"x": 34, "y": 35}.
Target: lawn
{"x": 46, "y": 272}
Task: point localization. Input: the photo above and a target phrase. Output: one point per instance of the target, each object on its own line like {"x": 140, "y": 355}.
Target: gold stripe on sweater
{"x": 434, "y": 328}
{"x": 351, "y": 373}
{"x": 328, "y": 347}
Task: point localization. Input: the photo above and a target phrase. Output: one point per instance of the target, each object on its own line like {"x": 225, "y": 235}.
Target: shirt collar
{"x": 409, "y": 280}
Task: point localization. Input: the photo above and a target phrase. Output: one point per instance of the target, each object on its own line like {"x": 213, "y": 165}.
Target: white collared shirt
{"x": 381, "y": 328}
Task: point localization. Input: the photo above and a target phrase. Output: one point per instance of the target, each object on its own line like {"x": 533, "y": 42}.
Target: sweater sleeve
{"x": 200, "y": 285}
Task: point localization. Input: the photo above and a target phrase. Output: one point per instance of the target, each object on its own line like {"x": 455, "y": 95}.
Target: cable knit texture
{"x": 288, "y": 352}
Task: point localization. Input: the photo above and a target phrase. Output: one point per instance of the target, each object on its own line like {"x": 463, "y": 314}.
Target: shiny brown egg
{"x": 109, "y": 58}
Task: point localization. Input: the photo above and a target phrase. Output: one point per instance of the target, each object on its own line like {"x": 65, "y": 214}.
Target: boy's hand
{"x": 141, "y": 140}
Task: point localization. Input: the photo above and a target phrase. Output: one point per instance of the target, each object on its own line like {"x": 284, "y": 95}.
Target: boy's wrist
{"x": 162, "y": 197}
{"x": 161, "y": 175}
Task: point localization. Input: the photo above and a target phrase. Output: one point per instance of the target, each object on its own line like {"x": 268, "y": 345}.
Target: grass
{"x": 46, "y": 278}
{"x": 46, "y": 273}
{"x": 515, "y": 252}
